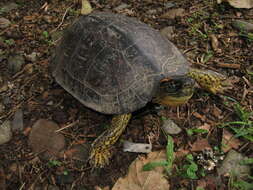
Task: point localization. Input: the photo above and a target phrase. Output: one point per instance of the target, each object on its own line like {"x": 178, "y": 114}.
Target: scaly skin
{"x": 100, "y": 153}
{"x": 101, "y": 147}
{"x": 208, "y": 80}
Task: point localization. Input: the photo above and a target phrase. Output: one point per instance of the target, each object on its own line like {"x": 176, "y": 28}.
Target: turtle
{"x": 115, "y": 65}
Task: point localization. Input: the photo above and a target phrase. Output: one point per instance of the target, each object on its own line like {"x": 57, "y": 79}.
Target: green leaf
{"x": 247, "y": 161}
{"x": 152, "y": 165}
{"x": 170, "y": 151}
{"x": 192, "y": 131}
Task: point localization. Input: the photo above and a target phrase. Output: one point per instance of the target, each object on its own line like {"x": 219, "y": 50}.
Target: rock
{"x": 243, "y": 25}
{"x": 32, "y": 57}
{"x": 169, "y": 5}
{"x": 65, "y": 179}
{"x": 2, "y": 107}
{"x": 173, "y": 13}
{"x": 122, "y": 6}
{"x": 43, "y": 139}
{"x": 8, "y": 7}
{"x": 18, "y": 123}
{"x": 167, "y": 32}
{"x": 53, "y": 187}
{"x": 79, "y": 152}
{"x": 232, "y": 164}
{"x": 4, "y": 23}
{"x": 170, "y": 127}
{"x": 15, "y": 63}
{"x": 4, "y": 88}
{"x": 5, "y": 132}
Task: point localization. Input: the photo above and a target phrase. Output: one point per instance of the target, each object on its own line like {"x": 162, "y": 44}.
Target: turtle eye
{"x": 171, "y": 86}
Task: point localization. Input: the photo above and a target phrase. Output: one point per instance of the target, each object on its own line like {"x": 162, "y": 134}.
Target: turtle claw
{"x": 99, "y": 157}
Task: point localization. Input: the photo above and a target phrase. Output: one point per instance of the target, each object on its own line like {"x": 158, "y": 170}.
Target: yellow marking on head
{"x": 209, "y": 80}
{"x": 172, "y": 101}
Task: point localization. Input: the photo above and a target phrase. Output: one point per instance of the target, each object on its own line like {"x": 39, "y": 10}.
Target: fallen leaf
{"x": 215, "y": 43}
{"x": 86, "y": 7}
{"x": 200, "y": 145}
{"x": 229, "y": 141}
{"x": 238, "y": 3}
{"x": 173, "y": 13}
{"x": 138, "y": 179}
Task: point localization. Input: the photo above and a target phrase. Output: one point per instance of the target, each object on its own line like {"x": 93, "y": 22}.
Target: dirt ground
{"x": 203, "y": 31}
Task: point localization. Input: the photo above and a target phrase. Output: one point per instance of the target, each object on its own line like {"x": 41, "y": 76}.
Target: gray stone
{"x": 169, "y": 5}
{"x": 18, "y": 123}
{"x": 173, "y": 13}
{"x": 122, "y": 6}
{"x": 2, "y": 107}
{"x": 4, "y": 87}
{"x": 65, "y": 179}
{"x": 5, "y": 132}
{"x": 45, "y": 139}
{"x": 32, "y": 57}
{"x": 4, "y": 23}
{"x": 8, "y": 7}
{"x": 167, "y": 32}
{"x": 243, "y": 25}
{"x": 15, "y": 63}
{"x": 170, "y": 127}
{"x": 53, "y": 187}
{"x": 232, "y": 165}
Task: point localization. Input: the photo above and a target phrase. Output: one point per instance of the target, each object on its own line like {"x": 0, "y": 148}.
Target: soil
{"x": 203, "y": 32}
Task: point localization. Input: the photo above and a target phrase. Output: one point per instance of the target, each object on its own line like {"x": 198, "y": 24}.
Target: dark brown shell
{"x": 113, "y": 63}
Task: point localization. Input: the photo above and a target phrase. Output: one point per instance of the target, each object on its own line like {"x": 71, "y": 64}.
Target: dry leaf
{"x": 200, "y": 145}
{"x": 229, "y": 141}
{"x": 138, "y": 179}
{"x": 238, "y": 3}
{"x": 86, "y": 7}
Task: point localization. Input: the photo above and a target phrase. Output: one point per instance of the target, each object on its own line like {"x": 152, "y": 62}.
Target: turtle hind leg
{"x": 101, "y": 147}
{"x": 208, "y": 80}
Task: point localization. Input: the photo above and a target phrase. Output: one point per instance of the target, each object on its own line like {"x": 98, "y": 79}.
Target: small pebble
{"x": 18, "y": 123}
{"x": 137, "y": 147}
{"x": 232, "y": 164}
{"x": 4, "y": 23}
{"x": 15, "y": 63}
{"x": 170, "y": 127}
{"x": 5, "y": 132}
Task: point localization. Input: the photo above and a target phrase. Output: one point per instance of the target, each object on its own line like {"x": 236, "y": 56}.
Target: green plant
{"x": 167, "y": 164}
{"x": 9, "y": 42}
{"x": 190, "y": 132}
{"x": 239, "y": 184}
{"x": 189, "y": 170}
{"x": 244, "y": 126}
{"x": 46, "y": 37}
{"x": 54, "y": 163}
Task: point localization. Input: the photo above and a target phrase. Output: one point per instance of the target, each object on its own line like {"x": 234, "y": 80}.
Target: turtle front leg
{"x": 209, "y": 80}
{"x": 101, "y": 147}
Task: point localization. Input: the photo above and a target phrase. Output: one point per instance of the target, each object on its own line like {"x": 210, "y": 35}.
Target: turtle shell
{"x": 113, "y": 63}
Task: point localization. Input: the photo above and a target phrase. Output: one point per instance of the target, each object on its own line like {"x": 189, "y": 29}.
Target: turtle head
{"x": 174, "y": 92}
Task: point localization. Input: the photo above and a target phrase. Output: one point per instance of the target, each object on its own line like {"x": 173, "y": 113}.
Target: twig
{"x": 67, "y": 126}
{"x": 62, "y": 20}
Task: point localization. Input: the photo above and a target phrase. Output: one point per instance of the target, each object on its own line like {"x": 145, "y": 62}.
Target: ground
{"x": 202, "y": 30}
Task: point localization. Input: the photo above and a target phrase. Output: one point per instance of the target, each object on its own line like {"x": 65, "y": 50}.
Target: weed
{"x": 244, "y": 126}
{"x": 167, "y": 164}
{"x": 54, "y": 163}
{"x": 9, "y": 42}
{"x": 189, "y": 170}
{"x": 190, "y": 132}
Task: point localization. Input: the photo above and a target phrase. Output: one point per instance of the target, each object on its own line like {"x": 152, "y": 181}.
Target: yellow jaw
{"x": 172, "y": 101}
